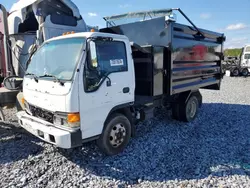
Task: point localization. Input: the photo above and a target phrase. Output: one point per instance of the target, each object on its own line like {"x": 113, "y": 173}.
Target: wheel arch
{"x": 181, "y": 100}
{"x": 184, "y": 96}
{"x": 126, "y": 110}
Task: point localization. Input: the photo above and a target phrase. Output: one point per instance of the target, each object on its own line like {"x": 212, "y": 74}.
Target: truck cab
{"x": 245, "y": 56}
{"x": 72, "y": 85}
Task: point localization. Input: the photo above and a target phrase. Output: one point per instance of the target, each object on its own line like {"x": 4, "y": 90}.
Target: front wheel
{"x": 116, "y": 134}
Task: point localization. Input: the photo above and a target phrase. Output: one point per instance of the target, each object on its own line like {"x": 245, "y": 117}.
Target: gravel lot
{"x": 213, "y": 151}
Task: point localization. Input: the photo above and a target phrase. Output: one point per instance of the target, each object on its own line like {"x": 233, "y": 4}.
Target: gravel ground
{"x": 213, "y": 151}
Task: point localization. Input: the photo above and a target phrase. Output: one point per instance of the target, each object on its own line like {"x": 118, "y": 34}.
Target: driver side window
{"x": 105, "y": 57}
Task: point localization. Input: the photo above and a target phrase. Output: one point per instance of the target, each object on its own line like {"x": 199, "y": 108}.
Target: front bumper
{"x": 47, "y": 132}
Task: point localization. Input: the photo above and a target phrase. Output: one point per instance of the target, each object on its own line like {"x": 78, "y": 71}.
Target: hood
{"x": 46, "y": 94}
{"x": 47, "y": 86}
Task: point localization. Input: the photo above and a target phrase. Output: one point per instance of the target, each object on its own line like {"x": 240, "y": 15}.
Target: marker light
{"x": 23, "y": 101}
{"x": 68, "y": 33}
{"x": 73, "y": 118}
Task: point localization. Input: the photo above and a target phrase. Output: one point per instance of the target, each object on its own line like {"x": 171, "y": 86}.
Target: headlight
{"x": 26, "y": 107}
{"x": 71, "y": 120}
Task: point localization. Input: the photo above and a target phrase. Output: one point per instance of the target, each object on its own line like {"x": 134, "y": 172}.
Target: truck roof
{"x": 20, "y": 4}
{"x": 89, "y": 34}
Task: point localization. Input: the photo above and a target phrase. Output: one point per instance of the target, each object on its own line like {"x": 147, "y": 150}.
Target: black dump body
{"x": 170, "y": 58}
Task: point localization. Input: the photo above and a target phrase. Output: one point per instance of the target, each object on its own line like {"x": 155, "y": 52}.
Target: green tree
{"x": 233, "y": 52}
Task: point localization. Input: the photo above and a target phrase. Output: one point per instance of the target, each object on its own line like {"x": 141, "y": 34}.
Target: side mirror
{"x": 92, "y": 56}
{"x": 13, "y": 83}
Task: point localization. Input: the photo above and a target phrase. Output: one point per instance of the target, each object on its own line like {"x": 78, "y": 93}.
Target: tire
{"x": 2, "y": 118}
{"x": 235, "y": 72}
{"x": 199, "y": 97}
{"x": 188, "y": 111}
{"x": 107, "y": 143}
{"x": 244, "y": 72}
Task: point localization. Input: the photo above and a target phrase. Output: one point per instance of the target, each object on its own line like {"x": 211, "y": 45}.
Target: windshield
{"x": 57, "y": 58}
{"x": 247, "y": 56}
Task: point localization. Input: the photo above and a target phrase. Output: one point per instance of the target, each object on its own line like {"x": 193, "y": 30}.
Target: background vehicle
{"x": 108, "y": 81}
{"x": 245, "y": 60}
{"x": 239, "y": 66}
{"x": 24, "y": 28}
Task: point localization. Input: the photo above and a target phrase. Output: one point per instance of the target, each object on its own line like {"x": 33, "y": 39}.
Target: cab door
{"x": 107, "y": 82}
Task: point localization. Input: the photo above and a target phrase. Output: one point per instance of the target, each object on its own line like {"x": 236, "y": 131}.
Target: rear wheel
{"x": 235, "y": 72}
{"x": 187, "y": 111}
{"x": 116, "y": 134}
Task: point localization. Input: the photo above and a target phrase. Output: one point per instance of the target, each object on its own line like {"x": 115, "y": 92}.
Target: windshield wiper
{"x": 34, "y": 76}
{"x": 52, "y": 76}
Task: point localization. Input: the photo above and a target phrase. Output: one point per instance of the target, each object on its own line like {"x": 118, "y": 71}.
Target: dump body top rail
{"x": 141, "y": 14}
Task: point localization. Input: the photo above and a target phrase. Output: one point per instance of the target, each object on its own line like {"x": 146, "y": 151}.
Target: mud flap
{"x": 2, "y": 117}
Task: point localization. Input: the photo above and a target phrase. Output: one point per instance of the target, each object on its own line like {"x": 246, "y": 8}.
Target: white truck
{"x": 245, "y": 60}
{"x": 240, "y": 67}
{"x": 89, "y": 86}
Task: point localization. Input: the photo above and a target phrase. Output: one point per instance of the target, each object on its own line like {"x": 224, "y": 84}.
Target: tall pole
{"x": 6, "y": 40}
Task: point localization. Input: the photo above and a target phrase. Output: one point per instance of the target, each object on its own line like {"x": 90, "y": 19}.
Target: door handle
{"x": 125, "y": 90}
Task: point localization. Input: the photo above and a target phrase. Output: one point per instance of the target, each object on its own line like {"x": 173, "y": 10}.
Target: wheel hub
{"x": 191, "y": 109}
{"x": 117, "y": 135}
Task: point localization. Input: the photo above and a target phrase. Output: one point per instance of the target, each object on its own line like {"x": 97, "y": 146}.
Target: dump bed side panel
{"x": 196, "y": 62}
{"x": 189, "y": 62}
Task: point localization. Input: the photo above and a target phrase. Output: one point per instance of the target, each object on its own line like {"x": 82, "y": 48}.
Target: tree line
{"x": 233, "y": 52}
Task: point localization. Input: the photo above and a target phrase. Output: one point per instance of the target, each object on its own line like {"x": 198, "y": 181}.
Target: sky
{"x": 225, "y": 16}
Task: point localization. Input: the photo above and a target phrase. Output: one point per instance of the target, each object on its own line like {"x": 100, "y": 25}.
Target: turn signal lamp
{"x": 23, "y": 101}
{"x": 73, "y": 118}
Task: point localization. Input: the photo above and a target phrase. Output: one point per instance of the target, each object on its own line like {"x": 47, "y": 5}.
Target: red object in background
{"x": 2, "y": 57}
{"x": 2, "y": 54}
